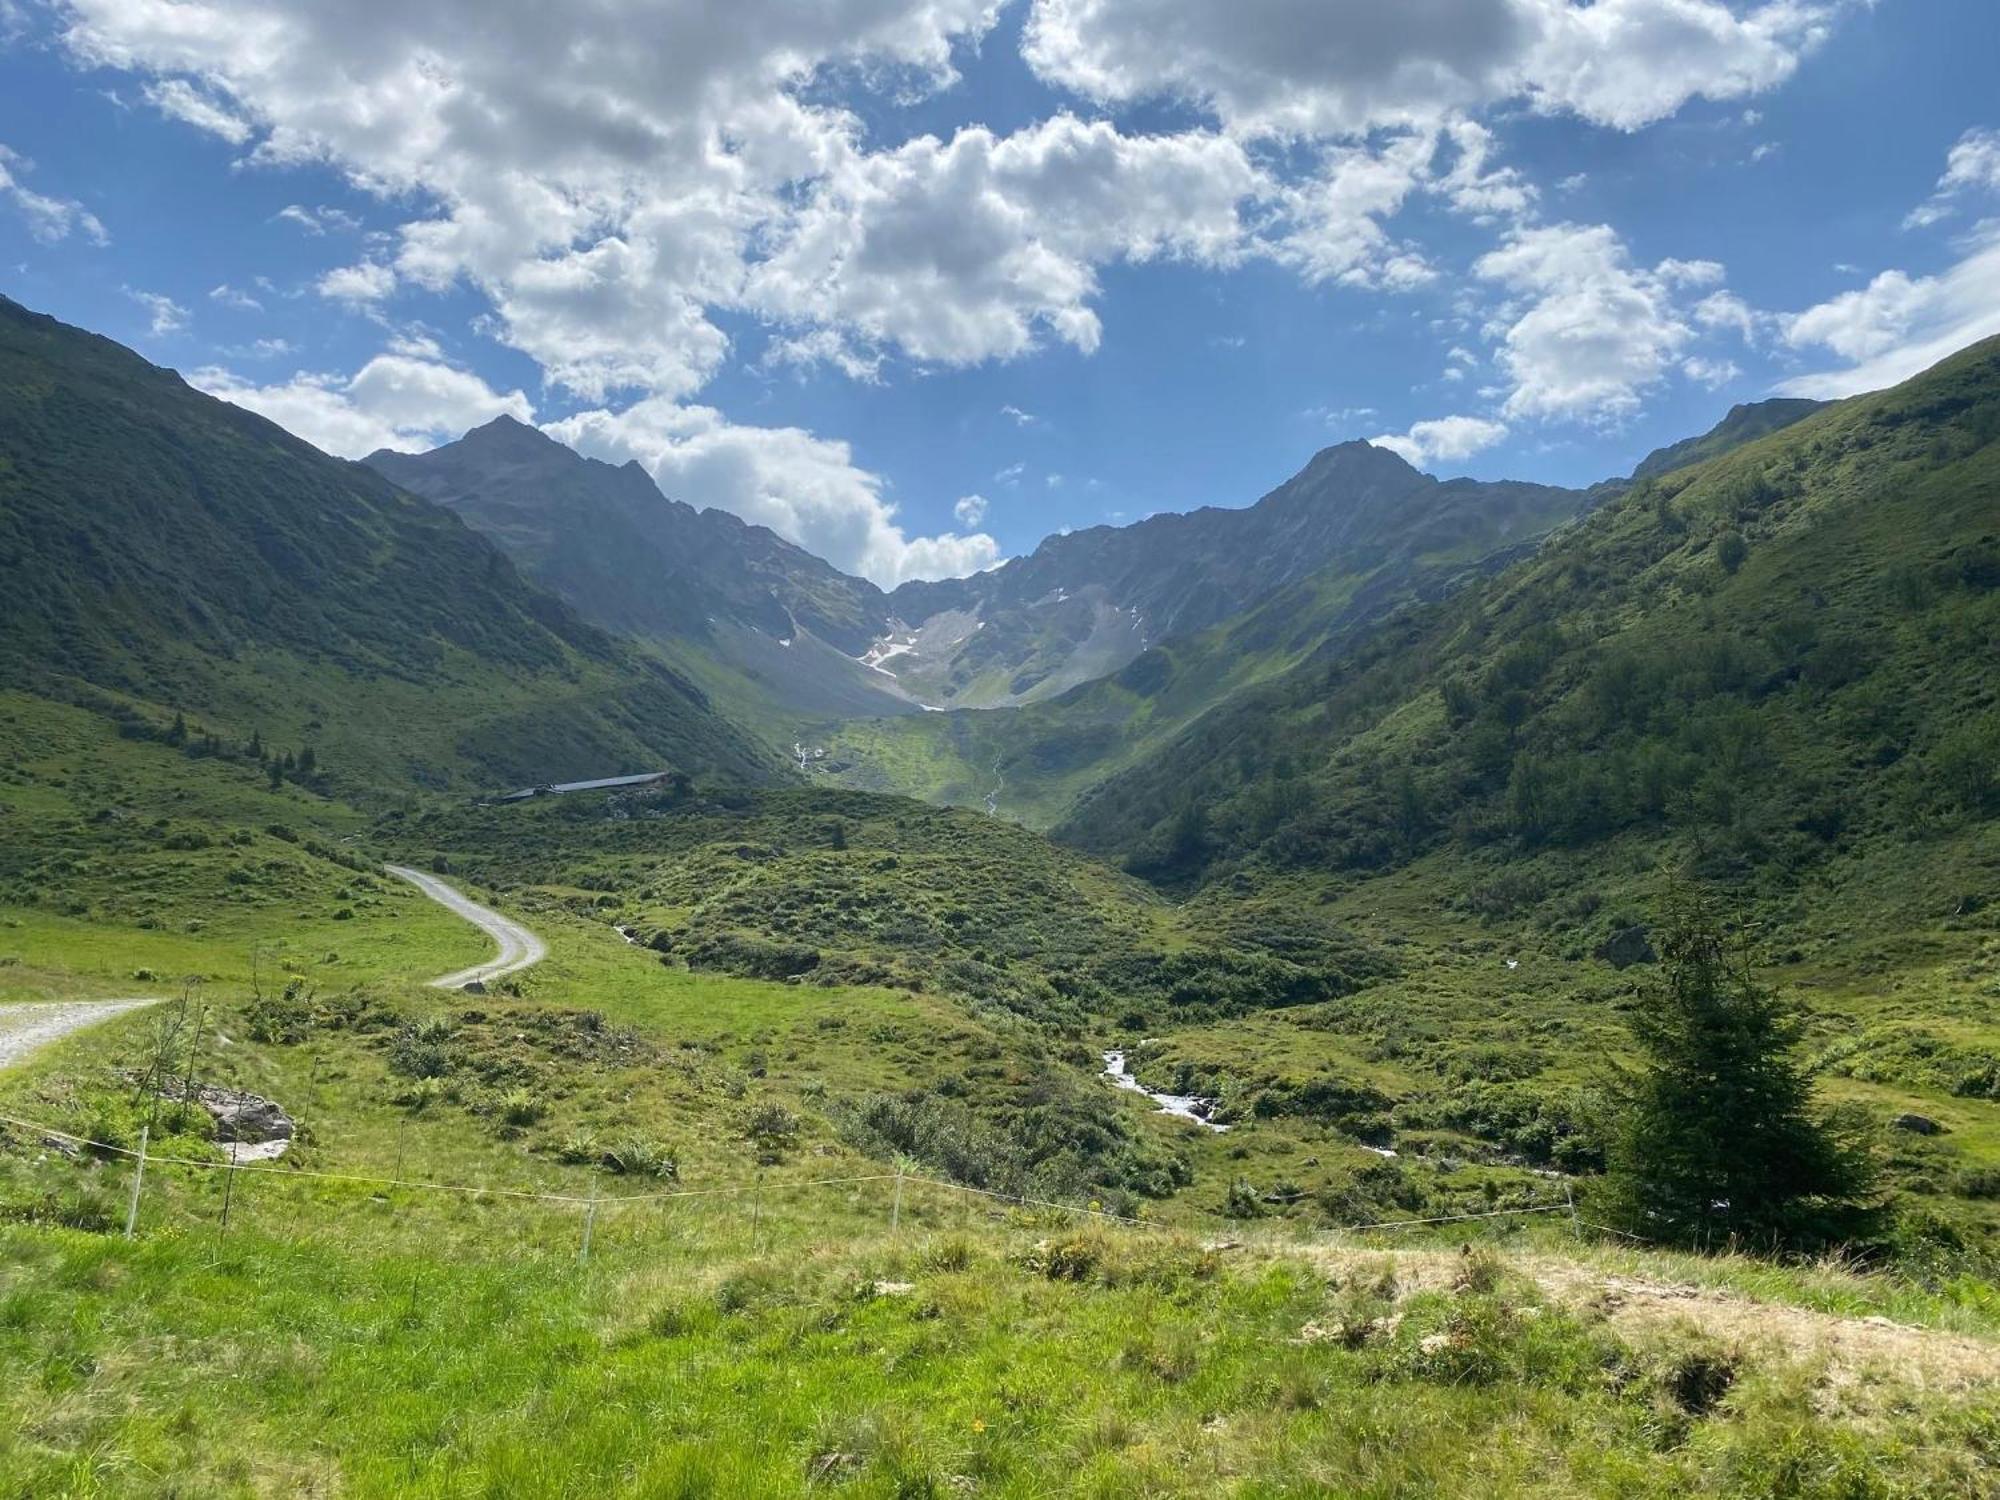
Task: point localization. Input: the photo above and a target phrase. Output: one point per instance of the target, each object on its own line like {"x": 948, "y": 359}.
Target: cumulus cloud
{"x": 357, "y": 284}
{"x": 1725, "y": 310}
{"x": 164, "y": 315}
{"x": 393, "y": 401}
{"x": 612, "y": 178}
{"x": 1972, "y": 166}
{"x": 604, "y": 175}
{"x": 970, "y": 510}
{"x": 1899, "y": 324}
{"x": 1443, "y": 439}
{"x": 1306, "y": 68}
{"x": 808, "y": 489}
{"x": 976, "y": 248}
{"x": 1588, "y": 330}
{"x": 50, "y": 220}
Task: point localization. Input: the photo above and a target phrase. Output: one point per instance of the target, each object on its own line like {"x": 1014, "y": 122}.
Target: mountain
{"x": 1778, "y": 669}
{"x": 1085, "y": 604}
{"x": 1243, "y": 595}
{"x": 1744, "y": 424}
{"x": 764, "y": 623}
{"x": 786, "y": 639}
{"x": 188, "y": 556}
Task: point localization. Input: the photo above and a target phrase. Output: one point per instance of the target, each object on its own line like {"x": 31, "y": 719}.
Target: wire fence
{"x": 595, "y": 1203}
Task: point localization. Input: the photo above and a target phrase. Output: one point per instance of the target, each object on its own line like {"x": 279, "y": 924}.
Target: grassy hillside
{"x": 1782, "y": 661}
{"x": 795, "y": 1321}
{"x": 162, "y": 552}
{"x": 1033, "y": 763}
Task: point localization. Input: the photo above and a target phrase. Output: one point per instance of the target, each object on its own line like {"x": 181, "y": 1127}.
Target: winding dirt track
{"x": 519, "y": 948}
{"x": 24, "y": 1028}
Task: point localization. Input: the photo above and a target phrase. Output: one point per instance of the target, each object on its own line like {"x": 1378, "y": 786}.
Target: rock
{"x": 1626, "y": 947}
{"x": 476, "y": 987}
{"x": 245, "y": 1118}
{"x": 1917, "y": 1124}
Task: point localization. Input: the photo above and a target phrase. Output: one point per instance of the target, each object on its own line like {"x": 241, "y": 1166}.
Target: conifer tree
{"x": 1721, "y": 1139}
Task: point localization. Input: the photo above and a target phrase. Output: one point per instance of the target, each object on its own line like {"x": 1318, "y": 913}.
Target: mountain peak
{"x": 510, "y": 431}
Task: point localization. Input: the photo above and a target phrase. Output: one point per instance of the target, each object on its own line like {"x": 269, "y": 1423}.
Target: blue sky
{"x": 918, "y": 282}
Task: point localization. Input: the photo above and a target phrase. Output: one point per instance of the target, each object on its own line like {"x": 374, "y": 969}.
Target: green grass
{"x": 755, "y": 1336}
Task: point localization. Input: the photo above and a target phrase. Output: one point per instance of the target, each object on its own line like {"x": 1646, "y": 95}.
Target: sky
{"x": 919, "y": 282}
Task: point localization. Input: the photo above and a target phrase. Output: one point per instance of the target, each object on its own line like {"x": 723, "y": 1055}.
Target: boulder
{"x": 1626, "y": 947}
{"x": 1917, "y": 1124}
{"x": 248, "y": 1119}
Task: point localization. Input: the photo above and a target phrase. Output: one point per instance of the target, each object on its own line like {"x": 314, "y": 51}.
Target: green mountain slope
{"x": 185, "y": 555}
{"x": 1393, "y": 535}
{"x": 1783, "y": 664}
{"x": 772, "y": 630}
{"x": 1744, "y": 424}
{"x": 1086, "y": 603}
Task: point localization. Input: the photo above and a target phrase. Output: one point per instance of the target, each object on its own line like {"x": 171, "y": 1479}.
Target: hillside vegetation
{"x": 162, "y": 552}
{"x": 1036, "y": 762}
{"x": 1782, "y": 661}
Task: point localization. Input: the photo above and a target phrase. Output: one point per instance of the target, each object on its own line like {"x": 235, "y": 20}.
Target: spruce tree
{"x": 1720, "y": 1140}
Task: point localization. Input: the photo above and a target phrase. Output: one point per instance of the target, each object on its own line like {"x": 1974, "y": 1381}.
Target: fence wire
{"x": 594, "y": 1203}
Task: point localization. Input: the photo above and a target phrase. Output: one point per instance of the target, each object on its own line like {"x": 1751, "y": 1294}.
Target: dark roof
{"x": 601, "y": 784}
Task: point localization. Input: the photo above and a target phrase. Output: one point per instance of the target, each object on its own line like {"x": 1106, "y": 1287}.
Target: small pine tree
{"x": 1730, "y": 550}
{"x": 274, "y": 771}
{"x": 308, "y": 761}
{"x": 1720, "y": 1139}
{"x": 177, "y": 735}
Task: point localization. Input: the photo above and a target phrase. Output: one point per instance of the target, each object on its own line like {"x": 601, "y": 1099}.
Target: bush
{"x": 520, "y": 1107}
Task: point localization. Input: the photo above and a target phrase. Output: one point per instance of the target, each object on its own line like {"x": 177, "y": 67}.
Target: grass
{"x": 365, "y": 1338}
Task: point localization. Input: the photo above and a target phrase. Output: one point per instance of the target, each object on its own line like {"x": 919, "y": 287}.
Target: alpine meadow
{"x": 1071, "y": 748}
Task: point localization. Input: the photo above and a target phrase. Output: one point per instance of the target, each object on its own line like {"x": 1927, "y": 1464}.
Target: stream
{"x": 1181, "y": 1106}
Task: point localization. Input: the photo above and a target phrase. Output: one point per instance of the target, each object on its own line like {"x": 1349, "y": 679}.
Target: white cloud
{"x": 1972, "y": 166}
{"x": 393, "y": 401}
{"x": 1442, "y": 438}
{"x": 612, "y": 178}
{"x": 317, "y": 221}
{"x": 230, "y": 296}
{"x": 180, "y": 100}
{"x": 970, "y": 510}
{"x": 164, "y": 315}
{"x": 1306, "y": 68}
{"x": 1691, "y": 273}
{"x": 1010, "y": 475}
{"x": 1900, "y": 324}
{"x": 1713, "y": 373}
{"x": 1018, "y": 417}
{"x": 979, "y": 247}
{"x": 362, "y": 283}
{"x": 605, "y": 174}
{"x": 50, "y": 220}
{"x": 1590, "y": 331}
{"x": 826, "y": 346}
{"x": 806, "y": 488}
{"x": 261, "y": 349}
{"x": 1726, "y": 310}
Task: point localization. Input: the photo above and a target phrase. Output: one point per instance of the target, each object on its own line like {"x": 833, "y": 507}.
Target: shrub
{"x": 520, "y": 1107}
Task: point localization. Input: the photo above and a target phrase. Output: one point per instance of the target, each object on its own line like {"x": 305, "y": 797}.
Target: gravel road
{"x": 23, "y": 1028}
{"x": 519, "y": 947}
